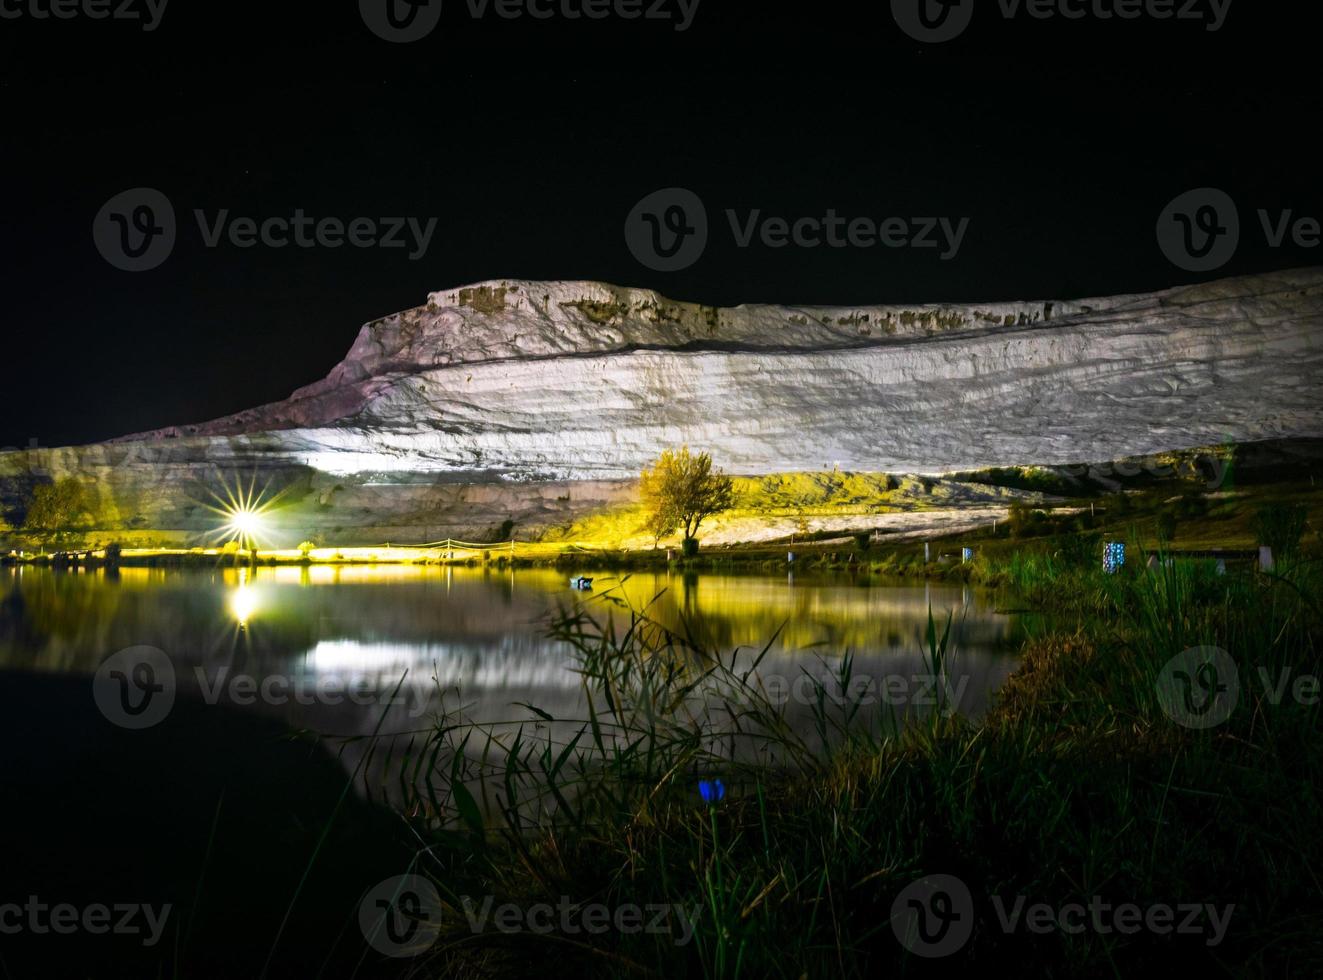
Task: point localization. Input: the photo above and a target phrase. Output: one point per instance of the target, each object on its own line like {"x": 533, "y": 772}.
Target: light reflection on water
{"x": 477, "y": 634}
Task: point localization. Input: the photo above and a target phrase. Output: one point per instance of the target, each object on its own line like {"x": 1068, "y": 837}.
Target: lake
{"x": 323, "y": 648}
{"x": 147, "y": 742}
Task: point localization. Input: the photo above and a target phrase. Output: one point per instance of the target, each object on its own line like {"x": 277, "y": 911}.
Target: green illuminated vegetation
{"x": 59, "y": 511}
{"x": 679, "y": 492}
{"x": 1080, "y": 782}
{"x": 792, "y": 497}
{"x": 1077, "y": 784}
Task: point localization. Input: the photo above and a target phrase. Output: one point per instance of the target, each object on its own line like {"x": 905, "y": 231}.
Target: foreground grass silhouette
{"x": 1079, "y": 785}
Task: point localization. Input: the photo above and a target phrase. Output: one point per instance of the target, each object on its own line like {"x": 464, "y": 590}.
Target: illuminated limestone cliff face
{"x": 533, "y": 401}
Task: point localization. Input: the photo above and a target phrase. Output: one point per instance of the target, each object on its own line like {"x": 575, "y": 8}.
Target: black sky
{"x": 530, "y": 141}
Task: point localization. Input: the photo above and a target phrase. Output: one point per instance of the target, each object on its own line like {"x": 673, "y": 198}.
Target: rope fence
{"x": 511, "y": 547}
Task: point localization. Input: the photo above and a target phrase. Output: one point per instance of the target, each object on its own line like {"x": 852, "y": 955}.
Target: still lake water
{"x": 218, "y": 815}
{"x": 322, "y": 648}
{"x": 217, "y": 811}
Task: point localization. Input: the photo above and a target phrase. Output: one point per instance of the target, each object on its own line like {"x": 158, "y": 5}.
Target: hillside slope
{"x": 534, "y": 401}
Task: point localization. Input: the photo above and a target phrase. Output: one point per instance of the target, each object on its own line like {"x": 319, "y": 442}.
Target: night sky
{"x": 530, "y": 141}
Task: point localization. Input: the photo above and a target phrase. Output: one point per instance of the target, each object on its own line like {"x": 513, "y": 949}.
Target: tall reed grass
{"x": 1076, "y": 784}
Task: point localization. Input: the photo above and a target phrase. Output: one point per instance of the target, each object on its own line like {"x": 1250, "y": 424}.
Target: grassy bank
{"x": 1079, "y": 786}
{"x": 1069, "y": 532}
{"x": 1198, "y": 499}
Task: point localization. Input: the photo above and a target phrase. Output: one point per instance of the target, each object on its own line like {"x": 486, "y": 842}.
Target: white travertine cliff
{"x": 563, "y": 389}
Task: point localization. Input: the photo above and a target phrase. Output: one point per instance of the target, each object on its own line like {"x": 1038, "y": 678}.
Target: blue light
{"x": 711, "y": 790}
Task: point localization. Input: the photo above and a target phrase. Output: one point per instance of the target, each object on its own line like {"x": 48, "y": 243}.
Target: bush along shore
{"x": 1142, "y": 797}
{"x": 1067, "y": 532}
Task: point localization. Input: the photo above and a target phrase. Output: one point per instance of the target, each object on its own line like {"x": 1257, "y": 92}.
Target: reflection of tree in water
{"x": 70, "y": 621}
{"x": 16, "y": 630}
{"x": 53, "y": 620}
{"x": 59, "y": 612}
{"x": 823, "y": 615}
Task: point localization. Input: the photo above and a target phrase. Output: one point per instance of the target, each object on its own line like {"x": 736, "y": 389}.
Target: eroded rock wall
{"x": 537, "y": 402}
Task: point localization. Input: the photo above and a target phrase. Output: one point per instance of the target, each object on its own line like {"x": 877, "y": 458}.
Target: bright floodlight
{"x": 243, "y": 603}
{"x": 243, "y": 513}
{"x": 245, "y": 523}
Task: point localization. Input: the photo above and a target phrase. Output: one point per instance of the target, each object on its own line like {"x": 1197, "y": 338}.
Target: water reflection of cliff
{"x": 468, "y": 637}
{"x": 832, "y": 614}
{"x": 474, "y": 642}
{"x": 70, "y": 621}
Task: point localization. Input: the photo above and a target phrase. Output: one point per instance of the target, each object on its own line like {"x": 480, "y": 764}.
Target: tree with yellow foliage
{"x": 59, "y": 512}
{"x": 680, "y": 491}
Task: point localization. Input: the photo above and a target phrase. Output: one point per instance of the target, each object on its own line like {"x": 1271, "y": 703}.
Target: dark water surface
{"x": 208, "y": 804}
{"x": 310, "y": 632}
